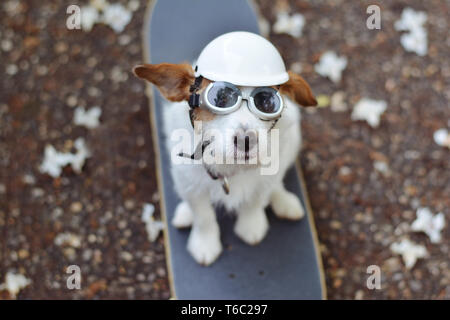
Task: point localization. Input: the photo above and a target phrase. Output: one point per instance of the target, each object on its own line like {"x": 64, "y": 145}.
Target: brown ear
{"x": 298, "y": 90}
{"x": 173, "y": 80}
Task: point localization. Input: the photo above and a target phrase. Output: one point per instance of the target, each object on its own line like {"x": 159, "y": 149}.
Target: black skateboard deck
{"x": 287, "y": 263}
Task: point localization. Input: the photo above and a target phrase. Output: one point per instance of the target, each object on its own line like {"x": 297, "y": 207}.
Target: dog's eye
{"x": 223, "y": 95}
{"x": 266, "y": 100}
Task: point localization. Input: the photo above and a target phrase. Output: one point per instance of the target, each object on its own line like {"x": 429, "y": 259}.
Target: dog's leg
{"x": 285, "y": 204}
{"x": 204, "y": 240}
{"x": 251, "y": 224}
{"x": 183, "y": 216}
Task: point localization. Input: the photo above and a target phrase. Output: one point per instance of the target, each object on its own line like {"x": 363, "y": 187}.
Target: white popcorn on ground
{"x": 292, "y": 25}
{"x": 264, "y": 26}
{"x": 152, "y": 226}
{"x": 337, "y": 102}
{"x": 331, "y": 66}
{"x": 100, "y": 11}
{"x": 88, "y": 118}
{"x": 415, "y": 42}
{"x": 133, "y": 5}
{"x": 14, "y": 283}
{"x": 80, "y": 157}
{"x": 118, "y": 75}
{"x": 54, "y": 161}
{"x": 429, "y": 224}
{"x": 117, "y": 17}
{"x": 28, "y": 179}
{"x": 381, "y": 167}
{"x": 416, "y": 38}
{"x": 69, "y": 239}
{"x": 89, "y": 17}
{"x": 409, "y": 251}
{"x": 442, "y": 137}
{"x": 369, "y": 110}
{"x": 296, "y": 67}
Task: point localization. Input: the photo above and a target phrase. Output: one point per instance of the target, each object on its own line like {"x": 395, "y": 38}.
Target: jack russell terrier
{"x": 239, "y": 100}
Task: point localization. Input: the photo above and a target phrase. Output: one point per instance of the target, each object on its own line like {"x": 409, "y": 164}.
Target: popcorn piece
{"x": 264, "y": 26}
{"x": 14, "y": 283}
{"x": 382, "y": 167}
{"x": 67, "y": 238}
{"x": 442, "y": 137}
{"x": 54, "y": 161}
{"x": 89, "y": 17}
{"x": 152, "y": 226}
{"x": 296, "y": 67}
{"x": 100, "y": 11}
{"x": 416, "y": 39}
{"x": 429, "y": 224}
{"x": 338, "y": 102}
{"x": 331, "y": 66}
{"x": 80, "y": 157}
{"x": 133, "y": 5}
{"x": 117, "y": 17}
{"x": 89, "y": 119}
{"x": 29, "y": 179}
{"x": 409, "y": 251}
{"x": 411, "y": 20}
{"x": 323, "y": 100}
{"x": 292, "y": 25}
{"x": 369, "y": 110}
{"x": 415, "y": 42}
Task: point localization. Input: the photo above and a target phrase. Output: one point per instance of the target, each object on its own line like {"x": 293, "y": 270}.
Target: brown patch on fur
{"x": 298, "y": 90}
{"x": 201, "y": 114}
{"x": 172, "y": 80}
{"x": 205, "y": 83}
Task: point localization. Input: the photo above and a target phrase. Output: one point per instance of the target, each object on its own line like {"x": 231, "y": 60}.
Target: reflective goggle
{"x": 224, "y": 97}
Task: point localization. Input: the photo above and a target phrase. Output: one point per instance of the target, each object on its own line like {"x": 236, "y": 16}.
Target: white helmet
{"x": 242, "y": 58}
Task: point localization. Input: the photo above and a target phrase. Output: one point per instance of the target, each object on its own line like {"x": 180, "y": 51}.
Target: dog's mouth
{"x": 245, "y": 152}
{"x": 239, "y": 155}
{"x": 199, "y": 150}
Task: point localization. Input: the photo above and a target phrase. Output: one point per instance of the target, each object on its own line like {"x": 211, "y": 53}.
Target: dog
{"x": 239, "y": 187}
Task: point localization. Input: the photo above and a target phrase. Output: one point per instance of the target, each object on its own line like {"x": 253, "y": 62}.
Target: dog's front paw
{"x": 205, "y": 247}
{"x": 252, "y": 227}
{"x": 183, "y": 216}
{"x": 286, "y": 205}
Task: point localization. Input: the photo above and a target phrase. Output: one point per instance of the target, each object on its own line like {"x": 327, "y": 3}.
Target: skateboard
{"x": 287, "y": 263}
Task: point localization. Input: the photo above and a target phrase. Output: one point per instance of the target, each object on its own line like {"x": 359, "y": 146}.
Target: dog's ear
{"x": 298, "y": 90}
{"x": 172, "y": 80}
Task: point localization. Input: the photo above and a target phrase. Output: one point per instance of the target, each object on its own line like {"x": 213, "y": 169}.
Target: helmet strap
{"x": 194, "y": 98}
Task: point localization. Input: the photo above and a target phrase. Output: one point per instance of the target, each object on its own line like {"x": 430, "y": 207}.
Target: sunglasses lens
{"x": 266, "y": 100}
{"x": 223, "y": 95}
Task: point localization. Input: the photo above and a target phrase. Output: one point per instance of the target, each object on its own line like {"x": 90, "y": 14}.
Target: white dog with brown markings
{"x": 241, "y": 90}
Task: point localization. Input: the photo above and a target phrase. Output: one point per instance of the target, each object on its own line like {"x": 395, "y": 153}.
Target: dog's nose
{"x": 245, "y": 140}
